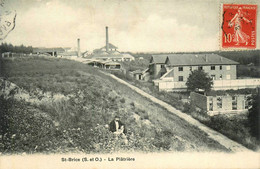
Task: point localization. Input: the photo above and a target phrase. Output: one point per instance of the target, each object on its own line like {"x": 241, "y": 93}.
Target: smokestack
{"x": 107, "y": 43}
{"x": 79, "y": 54}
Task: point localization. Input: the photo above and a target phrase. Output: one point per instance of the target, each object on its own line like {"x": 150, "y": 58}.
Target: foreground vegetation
{"x": 77, "y": 123}
{"x": 60, "y": 105}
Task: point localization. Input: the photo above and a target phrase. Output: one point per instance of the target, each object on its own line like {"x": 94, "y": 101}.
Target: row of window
{"x": 219, "y": 103}
{"x": 201, "y": 68}
{"x": 220, "y": 77}
{"x": 212, "y": 76}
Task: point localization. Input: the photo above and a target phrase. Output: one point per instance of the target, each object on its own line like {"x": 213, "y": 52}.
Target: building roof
{"x": 194, "y": 59}
{"x": 110, "y": 46}
{"x": 109, "y": 63}
{"x": 112, "y": 56}
{"x": 70, "y": 53}
{"x": 102, "y": 53}
{"x": 114, "y": 52}
{"x": 166, "y": 74}
{"x": 199, "y": 59}
{"x": 127, "y": 55}
{"x": 87, "y": 61}
{"x": 137, "y": 71}
{"x": 45, "y": 50}
{"x": 85, "y": 52}
{"x": 106, "y": 56}
{"x": 156, "y": 59}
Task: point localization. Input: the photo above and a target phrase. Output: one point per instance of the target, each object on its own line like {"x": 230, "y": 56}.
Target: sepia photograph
{"x": 129, "y": 84}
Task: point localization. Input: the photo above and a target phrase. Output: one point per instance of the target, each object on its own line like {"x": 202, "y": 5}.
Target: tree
{"x": 4, "y": 47}
{"x": 198, "y": 79}
{"x": 254, "y": 116}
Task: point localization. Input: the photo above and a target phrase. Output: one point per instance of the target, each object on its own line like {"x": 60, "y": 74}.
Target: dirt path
{"x": 221, "y": 139}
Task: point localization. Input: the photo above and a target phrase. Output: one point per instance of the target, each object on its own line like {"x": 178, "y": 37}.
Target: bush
{"x": 132, "y": 104}
{"x": 163, "y": 139}
{"x": 24, "y": 131}
{"x": 234, "y": 128}
{"x": 122, "y": 100}
{"x": 186, "y": 108}
{"x": 146, "y": 116}
{"x": 254, "y": 117}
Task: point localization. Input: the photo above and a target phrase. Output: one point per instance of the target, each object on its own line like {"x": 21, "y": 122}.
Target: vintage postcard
{"x": 129, "y": 84}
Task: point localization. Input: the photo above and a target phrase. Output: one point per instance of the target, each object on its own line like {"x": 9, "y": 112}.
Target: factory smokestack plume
{"x": 107, "y": 43}
{"x": 79, "y": 54}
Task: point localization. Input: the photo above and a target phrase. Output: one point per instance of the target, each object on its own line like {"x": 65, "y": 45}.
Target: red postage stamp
{"x": 238, "y": 26}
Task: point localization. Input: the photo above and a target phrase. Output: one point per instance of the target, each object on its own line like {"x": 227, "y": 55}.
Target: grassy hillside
{"x": 61, "y": 105}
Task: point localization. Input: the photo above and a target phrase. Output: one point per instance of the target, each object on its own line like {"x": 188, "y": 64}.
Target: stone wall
{"x": 199, "y": 100}
{"x": 217, "y": 85}
{"x": 219, "y": 104}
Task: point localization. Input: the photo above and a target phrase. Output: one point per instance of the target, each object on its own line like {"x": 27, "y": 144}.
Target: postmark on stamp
{"x": 2, "y": 2}
{"x": 7, "y": 21}
{"x": 238, "y": 26}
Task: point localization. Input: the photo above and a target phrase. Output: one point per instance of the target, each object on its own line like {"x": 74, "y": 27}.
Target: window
{"x": 212, "y": 67}
{"x": 234, "y": 103}
{"x": 210, "y": 104}
{"x": 213, "y": 77}
{"x": 190, "y": 68}
{"x": 246, "y": 104}
{"x": 180, "y": 69}
{"x": 151, "y": 69}
{"x": 220, "y": 77}
{"x": 162, "y": 66}
{"x": 140, "y": 77}
{"x": 246, "y": 101}
{"x": 228, "y": 67}
{"x": 180, "y": 78}
{"x": 228, "y": 77}
{"x": 200, "y": 68}
{"x": 162, "y": 73}
{"x": 219, "y": 102}
{"x": 220, "y": 67}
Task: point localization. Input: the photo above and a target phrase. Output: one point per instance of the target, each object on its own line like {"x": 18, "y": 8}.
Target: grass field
{"x": 77, "y": 121}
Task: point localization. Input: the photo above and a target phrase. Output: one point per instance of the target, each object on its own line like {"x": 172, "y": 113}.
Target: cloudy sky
{"x": 140, "y": 25}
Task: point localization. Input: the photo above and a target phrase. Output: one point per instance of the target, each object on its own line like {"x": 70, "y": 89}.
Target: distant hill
{"x": 243, "y": 57}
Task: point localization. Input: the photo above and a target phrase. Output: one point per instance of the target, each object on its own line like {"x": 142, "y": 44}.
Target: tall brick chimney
{"x": 79, "y": 53}
{"x": 107, "y": 43}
